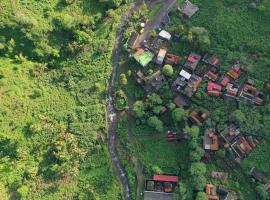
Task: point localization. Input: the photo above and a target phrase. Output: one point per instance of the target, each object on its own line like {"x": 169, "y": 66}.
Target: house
{"x": 214, "y": 89}
{"x": 192, "y": 85}
{"x": 225, "y": 81}
{"x": 251, "y": 94}
{"x": 171, "y": 59}
{"x": 226, "y": 194}
{"x": 241, "y": 147}
{"x": 187, "y": 83}
{"x": 166, "y": 178}
{"x": 210, "y": 140}
{"x": 211, "y": 191}
{"x": 234, "y": 72}
{"x": 192, "y": 61}
{"x": 219, "y": 193}
{"x": 259, "y": 176}
{"x": 188, "y": 9}
{"x": 143, "y": 56}
{"x": 197, "y": 118}
{"x": 230, "y": 133}
{"x": 211, "y": 59}
{"x": 211, "y": 75}
{"x": 180, "y": 101}
{"x": 161, "y": 56}
{"x": 152, "y": 195}
{"x": 221, "y": 176}
{"x": 231, "y": 90}
{"x": 150, "y": 83}
{"x": 164, "y": 35}
{"x": 161, "y": 187}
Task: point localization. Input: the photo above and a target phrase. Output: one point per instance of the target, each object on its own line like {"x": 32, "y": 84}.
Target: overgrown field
{"x": 55, "y": 60}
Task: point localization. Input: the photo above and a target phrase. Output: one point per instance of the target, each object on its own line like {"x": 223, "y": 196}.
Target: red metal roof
{"x": 165, "y": 178}
{"x": 212, "y": 86}
{"x": 192, "y": 59}
{"x": 225, "y": 81}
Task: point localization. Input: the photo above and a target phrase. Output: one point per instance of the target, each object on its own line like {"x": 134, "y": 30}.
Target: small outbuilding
{"x": 165, "y": 35}
{"x": 161, "y": 56}
{"x": 188, "y": 9}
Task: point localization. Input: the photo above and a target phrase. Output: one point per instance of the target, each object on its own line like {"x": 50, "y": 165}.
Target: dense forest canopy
{"x": 55, "y": 59}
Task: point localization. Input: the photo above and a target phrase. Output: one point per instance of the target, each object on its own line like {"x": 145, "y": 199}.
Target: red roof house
{"x": 171, "y": 59}
{"x": 191, "y": 59}
{"x": 231, "y": 90}
{"x": 211, "y": 75}
{"x": 225, "y": 81}
{"x": 214, "y": 89}
{"x": 165, "y": 178}
{"x": 235, "y": 72}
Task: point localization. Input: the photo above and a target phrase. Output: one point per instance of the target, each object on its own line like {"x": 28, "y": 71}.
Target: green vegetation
{"x": 55, "y": 60}
{"x": 167, "y": 70}
{"x": 121, "y": 100}
{"x": 155, "y": 9}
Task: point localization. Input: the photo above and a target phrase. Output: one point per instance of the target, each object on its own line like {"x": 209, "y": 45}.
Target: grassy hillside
{"x": 55, "y": 59}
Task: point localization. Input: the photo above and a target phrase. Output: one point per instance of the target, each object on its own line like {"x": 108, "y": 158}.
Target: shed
{"x": 161, "y": 55}
{"x": 185, "y": 74}
{"x": 165, "y": 178}
{"x": 151, "y": 195}
{"x": 189, "y": 9}
{"x": 165, "y": 35}
{"x": 180, "y": 101}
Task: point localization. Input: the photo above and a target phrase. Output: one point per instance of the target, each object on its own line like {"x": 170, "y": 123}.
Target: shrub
{"x": 155, "y": 123}
{"x": 167, "y": 70}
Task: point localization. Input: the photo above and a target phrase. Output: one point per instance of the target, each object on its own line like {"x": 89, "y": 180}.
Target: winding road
{"x": 111, "y": 112}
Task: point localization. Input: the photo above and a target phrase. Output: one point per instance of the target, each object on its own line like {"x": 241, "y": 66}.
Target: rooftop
{"x": 210, "y": 140}
{"x": 144, "y": 57}
{"x": 165, "y": 178}
{"x": 189, "y": 9}
{"x": 152, "y": 195}
{"x": 192, "y": 61}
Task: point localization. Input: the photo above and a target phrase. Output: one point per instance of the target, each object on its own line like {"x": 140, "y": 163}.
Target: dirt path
{"x": 111, "y": 112}
{"x": 137, "y": 163}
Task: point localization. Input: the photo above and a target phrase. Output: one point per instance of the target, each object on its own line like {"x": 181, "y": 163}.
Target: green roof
{"x": 144, "y": 58}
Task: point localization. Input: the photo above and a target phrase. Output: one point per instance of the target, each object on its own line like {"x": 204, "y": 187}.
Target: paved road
{"x": 150, "y": 25}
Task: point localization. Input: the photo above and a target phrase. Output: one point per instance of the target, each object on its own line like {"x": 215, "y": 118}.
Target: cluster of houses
{"x": 162, "y": 187}
{"x": 238, "y": 144}
{"x": 219, "y": 193}
{"x": 228, "y": 84}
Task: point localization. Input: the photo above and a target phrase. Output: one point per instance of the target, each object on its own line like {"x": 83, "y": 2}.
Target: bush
{"x": 138, "y": 109}
{"x": 167, "y": 70}
{"x": 197, "y": 169}
{"x": 123, "y": 79}
{"x": 23, "y": 191}
{"x": 201, "y": 196}
{"x": 155, "y": 123}
{"x": 179, "y": 114}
